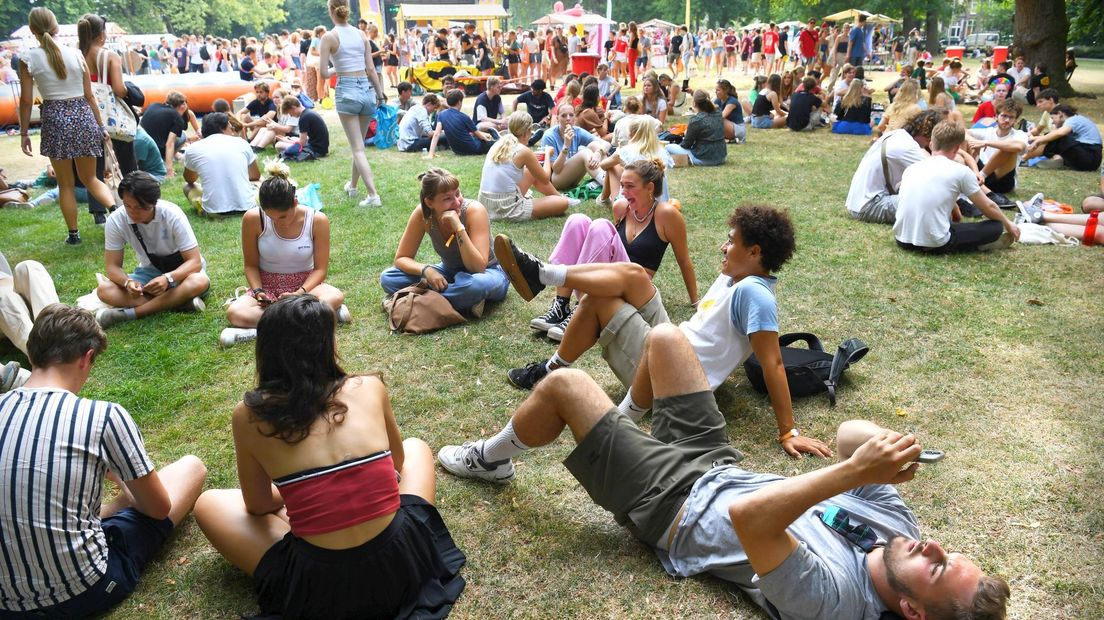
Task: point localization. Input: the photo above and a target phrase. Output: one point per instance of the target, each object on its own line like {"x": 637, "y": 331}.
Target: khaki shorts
{"x": 622, "y": 339}
{"x": 644, "y": 479}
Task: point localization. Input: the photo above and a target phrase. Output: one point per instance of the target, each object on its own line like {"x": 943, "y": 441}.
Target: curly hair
{"x": 767, "y": 227}
{"x": 298, "y": 376}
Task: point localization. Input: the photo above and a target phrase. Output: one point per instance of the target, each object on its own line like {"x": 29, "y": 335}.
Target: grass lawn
{"x": 993, "y": 358}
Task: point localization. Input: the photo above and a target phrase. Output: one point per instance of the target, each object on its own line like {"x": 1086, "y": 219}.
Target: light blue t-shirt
{"x": 1083, "y": 130}
{"x": 554, "y": 139}
{"x": 857, "y": 39}
{"x": 754, "y": 308}
{"x": 824, "y": 577}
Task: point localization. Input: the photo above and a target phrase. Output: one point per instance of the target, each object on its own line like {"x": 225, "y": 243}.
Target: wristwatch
{"x": 172, "y": 283}
{"x": 793, "y": 432}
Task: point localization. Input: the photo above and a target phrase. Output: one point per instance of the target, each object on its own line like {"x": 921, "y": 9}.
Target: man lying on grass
{"x": 736, "y": 317}
{"x": 836, "y": 543}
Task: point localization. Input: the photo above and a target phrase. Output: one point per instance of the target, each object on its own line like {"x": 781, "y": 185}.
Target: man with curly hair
{"x": 620, "y": 307}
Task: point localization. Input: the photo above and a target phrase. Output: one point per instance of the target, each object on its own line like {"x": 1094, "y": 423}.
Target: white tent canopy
{"x": 659, "y": 23}
{"x": 568, "y": 19}
{"x": 458, "y": 12}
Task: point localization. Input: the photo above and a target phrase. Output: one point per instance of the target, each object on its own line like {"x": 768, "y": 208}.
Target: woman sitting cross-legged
{"x": 646, "y": 225}
{"x": 853, "y": 111}
{"x": 468, "y": 274}
{"x": 335, "y": 515}
{"x": 511, "y": 169}
{"x": 286, "y": 248}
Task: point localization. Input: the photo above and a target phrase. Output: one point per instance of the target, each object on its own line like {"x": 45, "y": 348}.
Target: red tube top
{"x": 332, "y": 498}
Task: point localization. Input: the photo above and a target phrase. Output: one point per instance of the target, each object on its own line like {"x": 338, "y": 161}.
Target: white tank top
{"x": 502, "y": 177}
{"x": 349, "y": 57}
{"x": 49, "y": 85}
{"x": 279, "y": 255}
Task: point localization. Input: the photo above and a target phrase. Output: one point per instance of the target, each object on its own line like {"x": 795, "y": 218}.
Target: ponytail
{"x": 43, "y": 24}
{"x": 518, "y": 123}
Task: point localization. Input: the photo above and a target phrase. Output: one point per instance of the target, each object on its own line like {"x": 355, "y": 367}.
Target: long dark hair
{"x": 297, "y": 371}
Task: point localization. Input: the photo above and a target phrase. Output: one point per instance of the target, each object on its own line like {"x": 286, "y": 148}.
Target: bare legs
{"x": 144, "y": 305}
{"x": 355, "y": 127}
{"x": 183, "y": 480}
{"x": 67, "y": 171}
{"x": 607, "y": 287}
{"x": 1074, "y": 225}
{"x": 246, "y": 312}
{"x": 243, "y": 538}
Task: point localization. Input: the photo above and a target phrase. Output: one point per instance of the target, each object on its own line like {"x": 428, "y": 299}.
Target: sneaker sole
{"x": 541, "y": 326}
{"x": 556, "y": 336}
{"x": 509, "y": 264}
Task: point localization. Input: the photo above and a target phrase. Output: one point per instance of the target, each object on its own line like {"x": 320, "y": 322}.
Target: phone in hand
{"x": 929, "y": 457}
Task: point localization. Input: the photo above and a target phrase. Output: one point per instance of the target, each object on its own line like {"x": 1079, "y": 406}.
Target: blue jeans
{"x": 464, "y": 289}
{"x": 676, "y": 149}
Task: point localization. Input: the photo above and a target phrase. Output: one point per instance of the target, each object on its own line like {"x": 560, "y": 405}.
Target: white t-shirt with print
{"x": 929, "y": 190}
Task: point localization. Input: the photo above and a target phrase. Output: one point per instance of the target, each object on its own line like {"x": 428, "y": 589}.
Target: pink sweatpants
{"x": 586, "y": 241}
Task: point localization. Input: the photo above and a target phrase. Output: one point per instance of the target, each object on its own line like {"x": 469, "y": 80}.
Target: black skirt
{"x": 410, "y": 570}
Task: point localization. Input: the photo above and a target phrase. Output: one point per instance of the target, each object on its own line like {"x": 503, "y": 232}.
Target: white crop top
{"x": 349, "y": 57}
{"x": 502, "y": 177}
{"x": 279, "y": 255}
{"x": 48, "y": 83}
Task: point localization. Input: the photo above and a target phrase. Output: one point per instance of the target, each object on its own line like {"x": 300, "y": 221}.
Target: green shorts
{"x": 644, "y": 479}
{"x": 622, "y": 339}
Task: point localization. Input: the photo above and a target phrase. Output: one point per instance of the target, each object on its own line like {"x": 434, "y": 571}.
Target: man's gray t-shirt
{"x": 825, "y": 577}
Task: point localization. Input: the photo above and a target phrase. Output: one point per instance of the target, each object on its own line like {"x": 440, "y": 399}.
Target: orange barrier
{"x": 201, "y": 89}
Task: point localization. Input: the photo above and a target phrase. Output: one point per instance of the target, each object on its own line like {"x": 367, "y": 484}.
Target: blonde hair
{"x": 340, "y": 9}
{"x": 43, "y": 25}
{"x": 947, "y": 134}
{"x": 937, "y": 86}
{"x": 519, "y": 123}
{"x": 908, "y": 94}
{"x": 644, "y": 138}
{"x": 854, "y": 95}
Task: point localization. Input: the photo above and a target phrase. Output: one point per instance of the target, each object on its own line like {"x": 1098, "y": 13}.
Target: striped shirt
{"x": 55, "y": 448}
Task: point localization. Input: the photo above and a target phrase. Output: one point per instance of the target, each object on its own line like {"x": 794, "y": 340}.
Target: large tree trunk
{"x": 908, "y": 22}
{"x": 931, "y": 29}
{"x": 1041, "y": 28}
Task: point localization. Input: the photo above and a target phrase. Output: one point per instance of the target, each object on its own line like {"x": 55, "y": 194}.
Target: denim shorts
{"x": 355, "y": 96}
{"x": 762, "y": 122}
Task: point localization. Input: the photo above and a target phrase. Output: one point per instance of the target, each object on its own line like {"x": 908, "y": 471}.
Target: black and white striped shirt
{"x": 55, "y": 448}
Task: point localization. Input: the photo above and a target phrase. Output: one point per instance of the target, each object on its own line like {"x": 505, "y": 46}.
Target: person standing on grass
{"x": 335, "y": 514}
{"x": 171, "y": 273}
{"x": 286, "y": 251}
{"x": 736, "y": 317}
{"x": 358, "y": 92}
{"x": 73, "y": 133}
{"x": 928, "y": 220}
{"x": 67, "y": 554}
{"x": 838, "y": 542}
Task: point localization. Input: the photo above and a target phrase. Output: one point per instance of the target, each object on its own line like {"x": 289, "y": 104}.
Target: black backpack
{"x": 812, "y": 370}
{"x": 203, "y": 53}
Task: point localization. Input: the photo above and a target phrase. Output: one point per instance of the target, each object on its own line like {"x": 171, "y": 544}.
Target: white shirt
{"x": 167, "y": 233}
{"x": 1021, "y": 76}
{"x": 222, "y": 162}
{"x": 902, "y": 151}
{"x": 990, "y": 134}
{"x": 928, "y": 193}
{"x": 414, "y": 124}
{"x": 49, "y": 86}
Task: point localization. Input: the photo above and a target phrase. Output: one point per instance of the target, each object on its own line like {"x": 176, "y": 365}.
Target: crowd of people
{"x": 334, "y": 515}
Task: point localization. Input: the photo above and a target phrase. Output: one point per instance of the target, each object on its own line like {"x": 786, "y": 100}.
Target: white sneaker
{"x": 198, "y": 305}
{"x": 107, "y": 317}
{"x": 350, "y": 191}
{"x": 573, "y": 202}
{"x": 372, "y": 201}
{"x": 236, "y": 335}
{"x": 343, "y": 315}
{"x": 465, "y": 461}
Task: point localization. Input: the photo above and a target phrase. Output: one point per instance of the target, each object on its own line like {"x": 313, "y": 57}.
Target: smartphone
{"x": 929, "y": 457}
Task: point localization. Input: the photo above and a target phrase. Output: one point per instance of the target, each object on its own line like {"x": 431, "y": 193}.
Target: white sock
{"x": 504, "y": 445}
{"x": 629, "y": 407}
{"x": 557, "y": 361}
{"x": 553, "y": 275}
{"x": 130, "y": 313}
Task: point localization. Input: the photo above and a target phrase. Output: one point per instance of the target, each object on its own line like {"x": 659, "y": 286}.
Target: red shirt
{"x": 770, "y": 42}
{"x": 808, "y": 40}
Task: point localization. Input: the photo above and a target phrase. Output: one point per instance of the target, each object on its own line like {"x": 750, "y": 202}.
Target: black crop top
{"x": 647, "y": 249}
{"x": 762, "y": 106}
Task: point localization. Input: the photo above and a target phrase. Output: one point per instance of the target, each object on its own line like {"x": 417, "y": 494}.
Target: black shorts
{"x": 644, "y": 479}
{"x": 1076, "y": 155}
{"x": 1002, "y": 185}
{"x": 411, "y": 569}
{"x": 393, "y": 61}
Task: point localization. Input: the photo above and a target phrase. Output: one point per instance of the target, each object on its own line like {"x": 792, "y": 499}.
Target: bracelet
{"x": 424, "y": 270}
{"x": 127, "y": 281}
{"x": 793, "y": 432}
{"x": 302, "y": 288}
{"x": 258, "y": 291}
{"x": 460, "y": 230}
